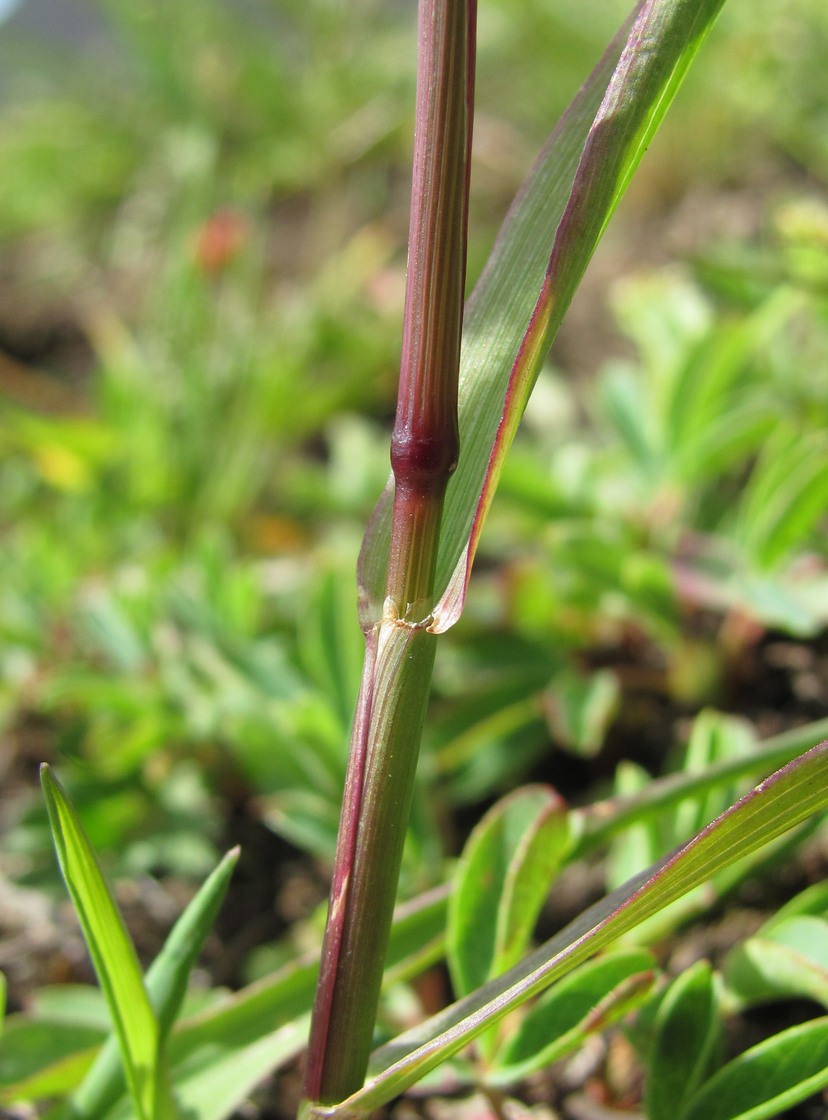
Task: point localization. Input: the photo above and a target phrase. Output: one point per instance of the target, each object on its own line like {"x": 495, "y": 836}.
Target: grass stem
{"x": 400, "y": 650}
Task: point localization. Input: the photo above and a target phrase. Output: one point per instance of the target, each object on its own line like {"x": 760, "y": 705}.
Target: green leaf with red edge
{"x": 538, "y": 260}
{"x": 785, "y": 799}
{"x": 501, "y": 882}
{"x": 589, "y": 1000}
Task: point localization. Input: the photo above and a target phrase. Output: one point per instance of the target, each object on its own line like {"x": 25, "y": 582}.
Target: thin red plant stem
{"x": 425, "y": 441}
{"x": 424, "y": 451}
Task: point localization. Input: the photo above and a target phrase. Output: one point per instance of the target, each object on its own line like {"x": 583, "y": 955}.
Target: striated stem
{"x": 425, "y": 441}
{"x": 400, "y": 650}
{"x": 369, "y": 852}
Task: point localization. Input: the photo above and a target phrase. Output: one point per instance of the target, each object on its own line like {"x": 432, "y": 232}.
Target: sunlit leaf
{"x": 686, "y": 1037}
{"x": 785, "y": 799}
{"x": 589, "y": 1000}
{"x": 502, "y": 878}
{"x": 166, "y": 983}
{"x": 764, "y": 1081}
{"x": 110, "y": 948}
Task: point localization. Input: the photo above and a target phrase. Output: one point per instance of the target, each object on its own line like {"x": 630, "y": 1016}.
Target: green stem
{"x": 405, "y": 659}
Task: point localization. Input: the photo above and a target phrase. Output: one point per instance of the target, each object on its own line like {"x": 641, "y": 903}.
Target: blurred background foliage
{"x": 203, "y": 211}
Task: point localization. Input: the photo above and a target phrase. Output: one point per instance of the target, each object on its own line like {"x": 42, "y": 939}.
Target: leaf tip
{"x": 48, "y": 781}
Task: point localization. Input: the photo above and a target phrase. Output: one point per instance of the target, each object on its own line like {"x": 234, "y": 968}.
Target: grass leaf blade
{"x": 166, "y": 983}
{"x": 785, "y": 799}
{"x": 110, "y": 948}
{"x": 664, "y": 39}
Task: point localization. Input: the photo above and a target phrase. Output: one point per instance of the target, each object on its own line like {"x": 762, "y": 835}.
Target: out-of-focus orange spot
{"x": 219, "y": 241}
{"x": 269, "y": 533}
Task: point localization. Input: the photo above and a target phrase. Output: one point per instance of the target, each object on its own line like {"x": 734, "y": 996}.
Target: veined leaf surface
{"x": 780, "y": 802}
{"x": 541, "y": 254}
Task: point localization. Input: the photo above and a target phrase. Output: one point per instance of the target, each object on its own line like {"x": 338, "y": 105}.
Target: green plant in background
{"x": 388, "y": 721}
{"x": 705, "y": 482}
{"x": 203, "y": 1060}
{"x": 220, "y": 1045}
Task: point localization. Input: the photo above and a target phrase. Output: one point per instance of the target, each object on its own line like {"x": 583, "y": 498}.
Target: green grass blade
{"x": 496, "y": 317}
{"x": 602, "y": 820}
{"x": 261, "y": 1026}
{"x": 664, "y": 39}
{"x": 112, "y": 952}
{"x": 589, "y": 1000}
{"x": 782, "y": 801}
{"x": 166, "y": 983}
{"x": 169, "y": 973}
{"x": 518, "y": 304}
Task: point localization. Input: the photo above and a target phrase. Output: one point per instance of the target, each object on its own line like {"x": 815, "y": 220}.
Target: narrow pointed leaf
{"x": 767, "y": 1079}
{"x": 539, "y": 258}
{"x": 166, "y": 983}
{"x": 589, "y": 1000}
{"x": 602, "y": 820}
{"x": 265, "y": 1023}
{"x": 779, "y": 803}
{"x": 110, "y": 948}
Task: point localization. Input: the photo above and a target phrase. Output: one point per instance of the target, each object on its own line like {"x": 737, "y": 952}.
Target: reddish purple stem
{"x": 425, "y": 441}
{"x": 424, "y": 451}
